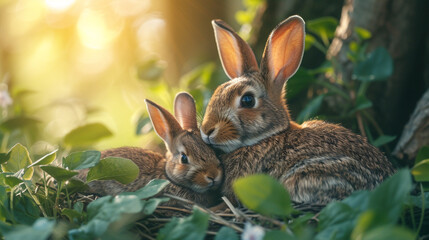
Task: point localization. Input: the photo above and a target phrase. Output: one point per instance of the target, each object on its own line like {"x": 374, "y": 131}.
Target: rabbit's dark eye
{"x": 247, "y": 101}
{"x": 184, "y": 159}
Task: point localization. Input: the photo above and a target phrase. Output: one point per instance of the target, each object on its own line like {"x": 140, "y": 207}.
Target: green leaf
{"x": 87, "y": 135}
{"x": 154, "y": 187}
{"x": 244, "y": 17}
{"x": 82, "y": 160}
{"x": 420, "y": 171}
{"x": 299, "y": 82}
{"x": 25, "y": 210}
{"x": 387, "y": 199}
{"x": 277, "y": 234}
{"x": 309, "y": 41}
{"x": 336, "y": 219}
{"x": 361, "y": 103}
{"x": 114, "y": 168}
{"x": 151, "y": 204}
{"x": 422, "y": 154}
{"x": 45, "y": 160}
{"x": 17, "y": 123}
{"x": 323, "y": 27}
{"x": 41, "y": 229}
{"x": 4, "y": 157}
{"x": 144, "y": 125}
{"x": 226, "y": 233}
{"x": 12, "y": 181}
{"x": 362, "y": 33}
{"x": 75, "y": 185}
{"x": 385, "y": 204}
{"x": 389, "y": 233}
{"x": 151, "y": 70}
{"x": 263, "y": 194}
{"x": 19, "y": 159}
{"x": 189, "y": 228}
{"x": 382, "y": 140}
{"x": 377, "y": 66}
{"x": 310, "y": 109}
{"x": 71, "y": 214}
{"x": 60, "y": 174}
{"x": 107, "y": 210}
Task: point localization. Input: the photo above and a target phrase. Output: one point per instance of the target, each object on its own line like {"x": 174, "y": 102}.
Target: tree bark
{"x": 401, "y": 27}
{"x": 416, "y": 132}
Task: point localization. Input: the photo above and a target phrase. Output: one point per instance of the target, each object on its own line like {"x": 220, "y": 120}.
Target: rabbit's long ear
{"x": 235, "y": 54}
{"x": 283, "y": 52}
{"x": 163, "y": 122}
{"x": 185, "y": 111}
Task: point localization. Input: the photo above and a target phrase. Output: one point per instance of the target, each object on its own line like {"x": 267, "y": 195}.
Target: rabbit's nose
{"x": 210, "y": 131}
{"x": 210, "y": 180}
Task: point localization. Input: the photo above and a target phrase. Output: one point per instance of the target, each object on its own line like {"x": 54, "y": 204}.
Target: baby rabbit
{"x": 247, "y": 118}
{"x": 189, "y": 164}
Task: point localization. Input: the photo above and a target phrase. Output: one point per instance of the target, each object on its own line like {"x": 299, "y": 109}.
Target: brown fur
{"x": 151, "y": 165}
{"x": 317, "y": 162}
{"x": 197, "y": 179}
{"x": 342, "y": 155}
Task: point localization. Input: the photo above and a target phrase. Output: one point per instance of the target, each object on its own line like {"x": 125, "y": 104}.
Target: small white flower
{"x": 5, "y": 99}
{"x": 252, "y": 232}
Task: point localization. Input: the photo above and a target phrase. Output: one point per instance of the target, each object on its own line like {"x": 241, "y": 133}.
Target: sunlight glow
{"x": 150, "y": 32}
{"x": 130, "y": 7}
{"x": 59, "y": 5}
{"x": 93, "y": 61}
{"x": 98, "y": 29}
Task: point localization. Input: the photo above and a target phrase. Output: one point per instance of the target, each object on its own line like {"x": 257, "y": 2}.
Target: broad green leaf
{"x": 150, "y": 205}
{"x": 3, "y": 195}
{"x": 82, "y": 160}
{"x": 144, "y": 125}
{"x": 12, "y": 181}
{"x": 19, "y": 159}
{"x": 389, "y": 232}
{"x": 420, "y": 171}
{"x": 60, "y": 174}
{"x": 45, "y": 160}
{"x": 151, "y": 70}
{"x": 277, "y": 234}
{"x": 384, "y": 139}
{"x": 151, "y": 189}
{"x": 226, "y": 233}
{"x": 362, "y": 33}
{"x": 422, "y": 154}
{"x": 114, "y": 168}
{"x": 263, "y": 194}
{"x": 387, "y": 199}
{"x": 4, "y": 157}
{"x": 75, "y": 185}
{"x": 107, "y": 210}
{"x": 71, "y": 214}
{"x": 189, "y": 228}
{"x": 336, "y": 219}
{"x": 41, "y": 229}
{"x": 310, "y": 109}
{"x": 299, "y": 82}
{"x": 25, "y": 210}
{"x": 323, "y": 27}
{"x": 201, "y": 75}
{"x": 309, "y": 41}
{"x": 385, "y": 204}
{"x": 377, "y": 66}
{"x": 87, "y": 135}
{"x": 17, "y": 123}
{"x": 361, "y": 103}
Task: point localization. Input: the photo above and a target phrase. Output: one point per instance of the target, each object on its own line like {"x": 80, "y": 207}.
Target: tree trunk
{"x": 401, "y": 27}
